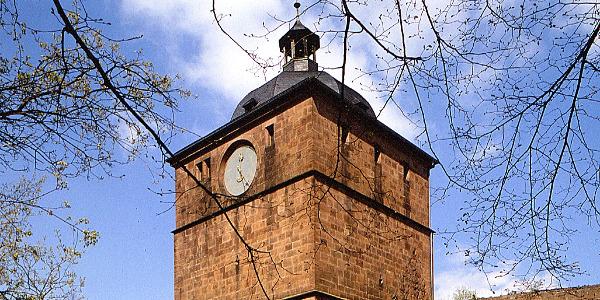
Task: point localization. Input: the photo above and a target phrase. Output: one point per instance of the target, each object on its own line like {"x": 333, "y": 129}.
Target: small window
{"x": 362, "y": 106}
{"x": 199, "y": 167}
{"x": 405, "y": 171}
{"x": 376, "y": 154}
{"x": 271, "y": 135}
{"x": 406, "y": 186}
{"x": 344, "y": 134}
{"x": 378, "y": 174}
{"x": 207, "y": 169}
{"x": 248, "y": 106}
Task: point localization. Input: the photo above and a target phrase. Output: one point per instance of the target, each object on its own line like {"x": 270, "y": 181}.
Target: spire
{"x": 297, "y": 6}
{"x": 297, "y": 45}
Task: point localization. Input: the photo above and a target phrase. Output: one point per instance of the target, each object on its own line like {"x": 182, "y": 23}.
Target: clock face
{"x": 240, "y": 170}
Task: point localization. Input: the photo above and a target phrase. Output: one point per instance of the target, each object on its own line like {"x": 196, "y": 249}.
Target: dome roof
{"x": 286, "y": 80}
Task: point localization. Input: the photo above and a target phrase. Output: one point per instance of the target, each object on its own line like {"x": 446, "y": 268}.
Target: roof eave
{"x": 258, "y": 111}
{"x": 274, "y": 103}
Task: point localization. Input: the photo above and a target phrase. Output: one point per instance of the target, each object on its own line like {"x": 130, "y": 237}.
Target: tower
{"x": 308, "y": 196}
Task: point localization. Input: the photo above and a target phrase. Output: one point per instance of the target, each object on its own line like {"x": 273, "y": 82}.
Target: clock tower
{"x": 304, "y": 194}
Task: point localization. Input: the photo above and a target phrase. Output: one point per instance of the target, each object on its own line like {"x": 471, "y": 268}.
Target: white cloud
{"x": 206, "y": 57}
{"x": 446, "y": 283}
{"x": 458, "y": 274}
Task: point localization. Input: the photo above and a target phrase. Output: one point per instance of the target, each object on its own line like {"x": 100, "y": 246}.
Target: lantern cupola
{"x": 297, "y": 45}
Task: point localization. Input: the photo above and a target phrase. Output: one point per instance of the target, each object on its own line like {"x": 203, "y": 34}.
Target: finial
{"x": 297, "y": 6}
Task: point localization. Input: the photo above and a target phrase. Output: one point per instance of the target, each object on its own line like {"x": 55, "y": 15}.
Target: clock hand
{"x": 241, "y": 177}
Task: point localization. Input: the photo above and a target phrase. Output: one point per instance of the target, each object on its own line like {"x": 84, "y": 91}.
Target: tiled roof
{"x": 286, "y": 80}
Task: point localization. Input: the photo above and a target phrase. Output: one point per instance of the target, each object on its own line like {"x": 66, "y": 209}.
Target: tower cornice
{"x": 275, "y": 104}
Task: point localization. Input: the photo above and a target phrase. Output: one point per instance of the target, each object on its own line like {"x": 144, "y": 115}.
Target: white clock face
{"x": 240, "y": 170}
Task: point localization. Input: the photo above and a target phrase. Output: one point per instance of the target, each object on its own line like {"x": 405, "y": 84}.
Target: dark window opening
{"x": 248, "y": 106}
{"x": 344, "y": 134}
{"x": 405, "y": 171}
{"x": 378, "y": 174}
{"x": 362, "y": 106}
{"x": 406, "y": 186}
{"x": 376, "y": 154}
{"x": 199, "y": 167}
{"x": 271, "y": 133}
{"x": 207, "y": 169}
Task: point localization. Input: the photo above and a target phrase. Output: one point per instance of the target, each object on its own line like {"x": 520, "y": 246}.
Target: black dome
{"x": 286, "y": 80}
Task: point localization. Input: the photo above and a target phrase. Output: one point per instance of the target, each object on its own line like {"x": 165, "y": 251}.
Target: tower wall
{"x": 210, "y": 260}
{"x": 212, "y": 263}
{"x": 335, "y": 224}
{"x": 358, "y": 169}
{"x": 366, "y": 254}
{"x": 291, "y": 156}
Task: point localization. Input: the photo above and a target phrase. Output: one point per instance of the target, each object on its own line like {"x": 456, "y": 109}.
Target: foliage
{"x": 518, "y": 84}
{"x": 505, "y": 95}
{"x": 56, "y": 113}
{"x": 29, "y": 268}
{"x": 533, "y": 285}
{"x": 59, "y": 118}
{"x": 464, "y": 294}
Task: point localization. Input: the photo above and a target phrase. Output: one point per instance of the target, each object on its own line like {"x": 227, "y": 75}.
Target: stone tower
{"x": 317, "y": 199}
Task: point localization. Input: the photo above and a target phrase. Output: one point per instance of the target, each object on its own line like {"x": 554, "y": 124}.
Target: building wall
{"x": 212, "y": 263}
{"x": 290, "y": 157}
{"x": 366, "y": 254}
{"x": 319, "y": 236}
{"x": 357, "y": 167}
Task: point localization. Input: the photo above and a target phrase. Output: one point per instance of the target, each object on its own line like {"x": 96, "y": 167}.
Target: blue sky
{"x": 134, "y": 257}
